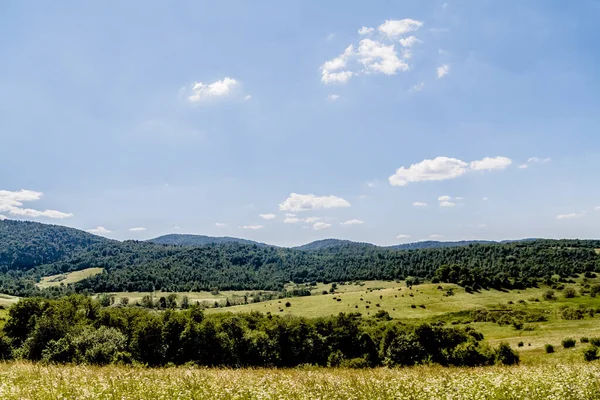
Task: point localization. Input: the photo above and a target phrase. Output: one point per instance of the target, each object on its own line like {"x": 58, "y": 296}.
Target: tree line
{"x": 77, "y": 329}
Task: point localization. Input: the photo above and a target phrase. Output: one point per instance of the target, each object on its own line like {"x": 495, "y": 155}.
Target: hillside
{"x": 30, "y": 251}
{"x": 330, "y": 243}
{"x": 199, "y": 240}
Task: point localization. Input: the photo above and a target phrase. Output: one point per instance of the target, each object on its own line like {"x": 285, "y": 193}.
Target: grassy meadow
{"x": 30, "y": 381}
{"x": 70, "y": 277}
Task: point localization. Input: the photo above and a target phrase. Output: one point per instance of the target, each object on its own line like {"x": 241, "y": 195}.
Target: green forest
{"x": 31, "y": 250}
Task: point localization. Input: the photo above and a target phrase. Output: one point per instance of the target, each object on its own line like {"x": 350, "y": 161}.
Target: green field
{"x": 566, "y": 382}
{"x": 71, "y": 277}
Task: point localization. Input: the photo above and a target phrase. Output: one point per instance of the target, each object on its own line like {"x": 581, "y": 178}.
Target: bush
{"x": 99, "y": 346}
{"x": 549, "y": 295}
{"x": 549, "y": 348}
{"x": 569, "y": 292}
{"x": 568, "y": 343}
{"x": 595, "y": 289}
{"x": 288, "y": 304}
{"x": 590, "y": 354}
{"x": 521, "y": 344}
{"x": 505, "y": 355}
{"x": 571, "y": 314}
{"x": 584, "y": 339}
{"x": 595, "y": 341}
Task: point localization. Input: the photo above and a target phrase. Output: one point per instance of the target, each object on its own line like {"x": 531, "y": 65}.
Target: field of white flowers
{"x": 33, "y": 381}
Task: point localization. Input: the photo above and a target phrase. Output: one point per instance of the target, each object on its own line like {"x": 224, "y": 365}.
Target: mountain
{"x": 200, "y": 240}
{"x": 330, "y": 243}
{"x": 25, "y": 244}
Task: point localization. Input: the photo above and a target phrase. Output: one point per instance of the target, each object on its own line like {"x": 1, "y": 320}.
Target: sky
{"x": 286, "y": 122}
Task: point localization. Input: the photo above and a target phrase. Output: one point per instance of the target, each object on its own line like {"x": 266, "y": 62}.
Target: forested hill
{"x": 199, "y": 240}
{"x": 30, "y": 250}
{"x": 331, "y": 243}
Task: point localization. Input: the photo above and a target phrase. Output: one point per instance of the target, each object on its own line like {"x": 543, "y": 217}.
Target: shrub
{"x": 571, "y": 314}
{"x": 568, "y": 343}
{"x": 590, "y": 354}
{"x": 595, "y": 341}
{"x": 505, "y": 355}
{"x": 584, "y": 339}
{"x": 518, "y": 325}
{"x": 569, "y": 292}
{"x": 549, "y": 348}
{"x": 288, "y": 304}
{"x": 549, "y": 295}
{"x": 521, "y": 344}
{"x": 595, "y": 289}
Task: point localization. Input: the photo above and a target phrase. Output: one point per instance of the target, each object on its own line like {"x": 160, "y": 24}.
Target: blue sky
{"x": 198, "y": 117}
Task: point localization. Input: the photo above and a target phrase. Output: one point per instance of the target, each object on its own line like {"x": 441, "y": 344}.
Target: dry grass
{"x": 28, "y": 381}
{"x": 71, "y": 277}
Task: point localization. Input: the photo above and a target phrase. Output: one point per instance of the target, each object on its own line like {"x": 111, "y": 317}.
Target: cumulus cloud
{"x": 311, "y": 220}
{"x": 268, "y": 216}
{"x": 491, "y": 163}
{"x": 373, "y": 56}
{"x": 396, "y": 28}
{"x": 12, "y": 202}
{"x": 448, "y": 201}
{"x": 321, "y": 225}
{"x": 252, "y": 227}
{"x": 99, "y": 230}
{"x": 331, "y": 69}
{"x": 409, "y": 41}
{"x": 485, "y": 198}
{"x": 352, "y": 222}
{"x": 247, "y": 97}
{"x": 307, "y": 202}
{"x": 220, "y": 224}
{"x": 570, "y": 216}
{"x": 137, "y": 229}
{"x": 442, "y": 168}
{"x": 419, "y": 204}
{"x": 379, "y": 58}
{"x": 365, "y": 31}
{"x": 291, "y": 220}
{"x": 333, "y": 97}
{"x": 217, "y": 89}
{"x": 442, "y": 71}
{"x": 403, "y": 237}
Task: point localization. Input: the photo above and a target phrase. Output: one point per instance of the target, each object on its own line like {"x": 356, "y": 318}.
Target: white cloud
{"x": 491, "y": 163}
{"x": 444, "y": 198}
{"x": 12, "y": 203}
{"x": 247, "y": 97}
{"x": 311, "y": 220}
{"x": 447, "y": 204}
{"x": 379, "y": 58}
{"x": 372, "y": 183}
{"x": 403, "y": 237}
{"x": 307, "y": 202}
{"x": 291, "y": 220}
{"x": 570, "y": 216}
{"x": 352, "y": 222}
{"x": 534, "y": 160}
{"x": 333, "y": 97}
{"x": 321, "y": 225}
{"x": 597, "y": 208}
{"x": 220, "y": 224}
{"x": 99, "y": 230}
{"x": 290, "y": 214}
{"x": 222, "y": 88}
{"x": 419, "y": 204}
{"x": 448, "y": 201}
{"x": 137, "y": 229}
{"x": 365, "y": 31}
{"x": 442, "y": 168}
{"x": 329, "y": 68}
{"x": 252, "y": 227}
{"x": 268, "y": 216}
{"x": 436, "y": 236}
{"x": 2, "y": 217}
{"x": 484, "y": 198}
{"x": 417, "y": 88}
{"x": 443, "y": 70}
{"x": 395, "y": 28}
{"x": 409, "y": 41}
{"x": 176, "y": 227}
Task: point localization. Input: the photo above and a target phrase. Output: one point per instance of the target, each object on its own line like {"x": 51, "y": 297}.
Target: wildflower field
{"x": 36, "y": 381}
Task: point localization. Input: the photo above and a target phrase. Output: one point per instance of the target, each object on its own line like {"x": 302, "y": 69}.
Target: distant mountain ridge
{"x": 189, "y": 240}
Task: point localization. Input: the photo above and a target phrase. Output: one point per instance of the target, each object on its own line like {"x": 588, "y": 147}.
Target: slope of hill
{"x": 330, "y": 243}
{"x": 24, "y": 244}
{"x": 434, "y": 244}
{"x": 199, "y": 240}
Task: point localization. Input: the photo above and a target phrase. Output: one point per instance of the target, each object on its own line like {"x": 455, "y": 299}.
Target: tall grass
{"x": 35, "y": 381}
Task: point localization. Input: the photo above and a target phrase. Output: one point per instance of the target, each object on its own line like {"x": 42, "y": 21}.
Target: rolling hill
{"x": 200, "y": 240}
